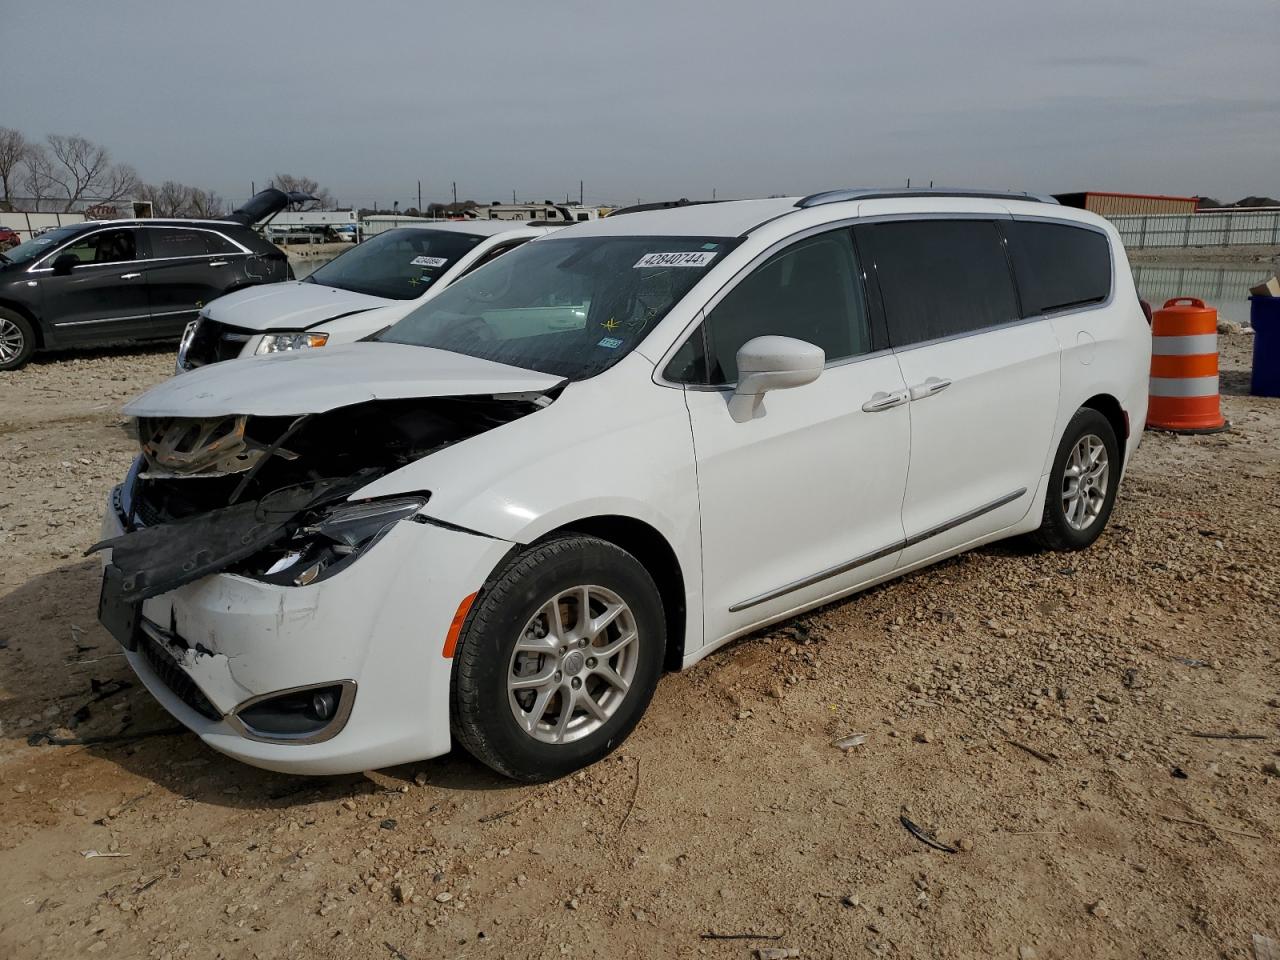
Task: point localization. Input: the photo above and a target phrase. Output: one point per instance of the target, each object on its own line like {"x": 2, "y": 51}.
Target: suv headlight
{"x": 281, "y": 342}
{"x": 333, "y": 540}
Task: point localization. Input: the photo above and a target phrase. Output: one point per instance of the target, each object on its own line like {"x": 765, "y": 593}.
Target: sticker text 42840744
{"x": 688, "y": 258}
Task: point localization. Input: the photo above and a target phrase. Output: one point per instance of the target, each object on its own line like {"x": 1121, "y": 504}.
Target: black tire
{"x": 1055, "y": 532}
{"x": 15, "y": 324}
{"x": 481, "y": 712}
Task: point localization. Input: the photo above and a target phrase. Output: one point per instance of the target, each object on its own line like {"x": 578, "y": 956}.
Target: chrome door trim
{"x": 81, "y": 323}
{"x": 878, "y": 554}
{"x": 817, "y": 577}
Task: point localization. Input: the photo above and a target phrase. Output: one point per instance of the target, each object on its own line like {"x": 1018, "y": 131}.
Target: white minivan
{"x": 604, "y": 456}
{"x": 357, "y": 293}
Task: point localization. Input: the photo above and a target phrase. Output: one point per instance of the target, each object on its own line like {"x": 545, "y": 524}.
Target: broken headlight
{"x": 333, "y": 540}
{"x": 282, "y": 342}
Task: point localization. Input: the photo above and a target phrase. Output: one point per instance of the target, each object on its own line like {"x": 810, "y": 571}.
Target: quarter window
{"x": 809, "y": 291}
{"x": 182, "y": 242}
{"x": 939, "y": 278}
{"x": 1058, "y": 266}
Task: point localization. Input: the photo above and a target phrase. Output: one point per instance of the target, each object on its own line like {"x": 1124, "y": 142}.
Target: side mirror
{"x": 64, "y": 264}
{"x": 771, "y": 363}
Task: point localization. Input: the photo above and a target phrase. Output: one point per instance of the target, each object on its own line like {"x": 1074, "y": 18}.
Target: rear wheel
{"x": 558, "y": 658}
{"x": 1082, "y": 484}
{"x": 17, "y": 340}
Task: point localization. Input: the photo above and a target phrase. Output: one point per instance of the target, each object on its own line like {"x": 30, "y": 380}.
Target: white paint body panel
{"x": 347, "y": 316}
{"x": 303, "y": 381}
{"x": 983, "y": 437}
{"x": 746, "y": 508}
{"x": 809, "y": 485}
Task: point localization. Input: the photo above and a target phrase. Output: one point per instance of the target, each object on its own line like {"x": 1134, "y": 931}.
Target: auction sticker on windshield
{"x": 436, "y": 262}
{"x": 690, "y": 258}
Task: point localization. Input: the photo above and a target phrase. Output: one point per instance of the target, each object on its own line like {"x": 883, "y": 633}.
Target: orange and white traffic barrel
{"x": 1184, "y": 368}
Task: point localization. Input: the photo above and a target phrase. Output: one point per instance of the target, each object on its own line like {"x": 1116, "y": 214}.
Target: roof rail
{"x": 887, "y": 193}
{"x": 661, "y": 205}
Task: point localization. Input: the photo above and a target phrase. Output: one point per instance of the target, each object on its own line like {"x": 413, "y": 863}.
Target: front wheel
{"x": 558, "y": 658}
{"x": 17, "y": 340}
{"x": 1082, "y": 484}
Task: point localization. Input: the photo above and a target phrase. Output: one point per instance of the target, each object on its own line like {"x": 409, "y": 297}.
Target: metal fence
{"x": 1232, "y": 229}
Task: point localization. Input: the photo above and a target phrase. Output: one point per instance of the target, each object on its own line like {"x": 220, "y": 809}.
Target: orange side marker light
{"x": 455, "y": 628}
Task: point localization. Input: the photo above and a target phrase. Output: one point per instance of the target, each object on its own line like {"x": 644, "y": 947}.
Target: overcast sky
{"x": 659, "y": 99}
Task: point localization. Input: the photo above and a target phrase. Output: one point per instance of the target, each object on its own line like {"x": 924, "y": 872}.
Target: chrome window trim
{"x": 217, "y": 233}
{"x": 880, "y": 554}
{"x": 242, "y": 249}
{"x": 35, "y": 268}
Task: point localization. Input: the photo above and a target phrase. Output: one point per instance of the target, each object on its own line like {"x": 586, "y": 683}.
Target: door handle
{"x": 217, "y": 263}
{"x": 885, "y": 401}
{"x": 929, "y": 388}
{"x": 130, "y": 276}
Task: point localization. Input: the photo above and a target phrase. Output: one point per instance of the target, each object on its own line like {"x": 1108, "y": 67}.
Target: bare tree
{"x": 289, "y": 183}
{"x": 173, "y": 199}
{"x": 79, "y": 169}
{"x": 13, "y": 156}
{"x": 37, "y": 175}
{"x": 169, "y": 199}
{"x": 206, "y": 203}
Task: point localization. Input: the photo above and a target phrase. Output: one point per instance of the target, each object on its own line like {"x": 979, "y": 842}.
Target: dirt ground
{"x": 1041, "y": 714}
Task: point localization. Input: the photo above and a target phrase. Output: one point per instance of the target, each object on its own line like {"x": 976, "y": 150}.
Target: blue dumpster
{"x": 1264, "y": 315}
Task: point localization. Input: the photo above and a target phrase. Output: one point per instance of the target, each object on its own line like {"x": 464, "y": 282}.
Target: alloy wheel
{"x": 573, "y": 664}
{"x": 12, "y": 340}
{"x": 1084, "y": 482}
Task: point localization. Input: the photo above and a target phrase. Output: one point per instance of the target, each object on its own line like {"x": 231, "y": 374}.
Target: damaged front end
{"x": 268, "y": 497}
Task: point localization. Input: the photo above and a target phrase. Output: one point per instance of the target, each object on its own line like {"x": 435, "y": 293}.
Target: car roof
{"x": 728, "y": 218}
{"x": 478, "y": 228}
{"x": 735, "y": 218}
{"x": 157, "y": 222}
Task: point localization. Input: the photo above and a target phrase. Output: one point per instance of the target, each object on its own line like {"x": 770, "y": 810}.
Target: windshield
{"x": 42, "y": 244}
{"x": 567, "y": 306}
{"x": 398, "y": 264}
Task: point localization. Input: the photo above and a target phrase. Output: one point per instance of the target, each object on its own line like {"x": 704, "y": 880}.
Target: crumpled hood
{"x": 291, "y": 305}
{"x": 315, "y": 381}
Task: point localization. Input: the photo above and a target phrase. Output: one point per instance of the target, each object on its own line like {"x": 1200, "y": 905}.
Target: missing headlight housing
{"x": 332, "y": 540}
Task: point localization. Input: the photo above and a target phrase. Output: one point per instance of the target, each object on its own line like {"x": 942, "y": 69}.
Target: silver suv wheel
{"x": 1084, "y": 482}
{"x": 573, "y": 664}
{"x": 12, "y": 340}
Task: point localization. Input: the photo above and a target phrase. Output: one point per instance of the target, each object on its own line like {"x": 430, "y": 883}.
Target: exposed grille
{"x": 213, "y": 342}
{"x": 175, "y": 678}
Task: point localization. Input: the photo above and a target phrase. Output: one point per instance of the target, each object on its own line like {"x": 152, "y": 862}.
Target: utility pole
{"x": 908, "y": 183}
{"x": 455, "y": 191}
{"x": 253, "y": 188}
{"x": 580, "y": 193}
{"x": 713, "y": 193}
{"x": 419, "y": 197}
{"x": 513, "y": 196}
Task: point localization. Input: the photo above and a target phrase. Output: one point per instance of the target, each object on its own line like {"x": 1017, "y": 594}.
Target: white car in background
{"x": 607, "y": 454}
{"x": 357, "y": 293}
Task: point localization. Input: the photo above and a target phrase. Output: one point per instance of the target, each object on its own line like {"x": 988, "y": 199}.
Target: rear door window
{"x": 1058, "y": 266}
{"x": 810, "y": 291}
{"x": 939, "y": 278}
